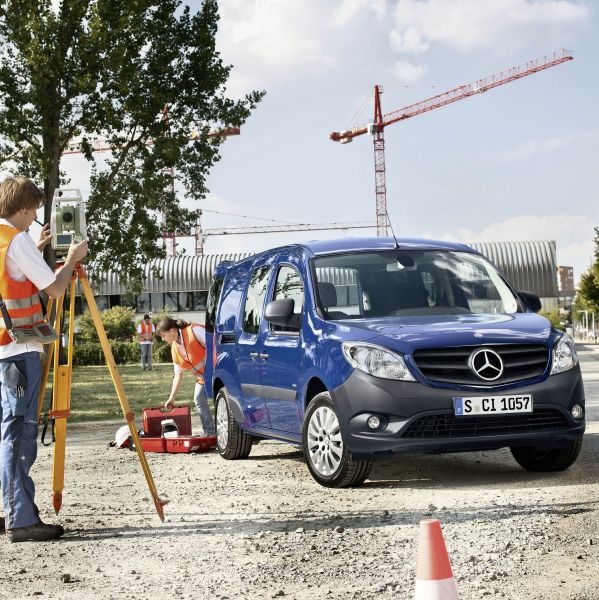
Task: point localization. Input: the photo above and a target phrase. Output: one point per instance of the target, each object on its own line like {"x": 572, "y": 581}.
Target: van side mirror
{"x": 279, "y": 312}
{"x": 531, "y": 300}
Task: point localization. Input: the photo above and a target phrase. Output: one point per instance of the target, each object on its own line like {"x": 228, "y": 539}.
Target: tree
{"x": 587, "y": 297}
{"x": 117, "y": 321}
{"x": 108, "y": 68}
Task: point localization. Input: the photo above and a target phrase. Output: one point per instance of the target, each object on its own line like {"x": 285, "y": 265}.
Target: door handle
{"x": 254, "y": 355}
{"x": 263, "y": 356}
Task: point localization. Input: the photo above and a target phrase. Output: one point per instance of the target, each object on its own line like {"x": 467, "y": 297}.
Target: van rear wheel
{"x": 533, "y": 458}
{"x": 232, "y": 442}
{"x": 329, "y": 460}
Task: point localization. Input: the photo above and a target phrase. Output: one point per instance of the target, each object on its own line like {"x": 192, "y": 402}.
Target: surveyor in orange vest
{"x": 23, "y": 273}
{"x": 145, "y": 335}
{"x": 188, "y": 350}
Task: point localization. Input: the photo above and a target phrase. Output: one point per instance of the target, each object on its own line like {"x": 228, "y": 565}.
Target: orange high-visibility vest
{"x": 195, "y": 353}
{"x": 21, "y": 297}
{"x": 146, "y": 327}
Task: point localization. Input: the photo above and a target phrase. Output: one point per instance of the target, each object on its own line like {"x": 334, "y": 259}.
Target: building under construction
{"x": 182, "y": 286}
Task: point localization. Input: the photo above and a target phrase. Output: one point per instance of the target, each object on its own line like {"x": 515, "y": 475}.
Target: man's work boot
{"x": 2, "y": 525}
{"x": 35, "y": 533}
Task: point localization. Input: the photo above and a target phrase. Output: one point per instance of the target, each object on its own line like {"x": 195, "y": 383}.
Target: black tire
{"x": 232, "y": 442}
{"x": 337, "y": 468}
{"x": 538, "y": 459}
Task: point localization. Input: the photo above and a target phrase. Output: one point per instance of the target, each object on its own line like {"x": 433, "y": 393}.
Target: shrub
{"x": 90, "y": 353}
{"x": 117, "y": 321}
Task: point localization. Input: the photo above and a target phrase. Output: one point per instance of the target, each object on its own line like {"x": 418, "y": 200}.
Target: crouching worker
{"x": 188, "y": 349}
{"x": 23, "y": 273}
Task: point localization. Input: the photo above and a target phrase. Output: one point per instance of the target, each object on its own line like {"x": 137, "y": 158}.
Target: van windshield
{"x": 409, "y": 283}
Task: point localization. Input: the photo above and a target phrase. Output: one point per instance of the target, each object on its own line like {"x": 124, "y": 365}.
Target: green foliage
{"x": 117, "y": 321}
{"x": 553, "y": 317}
{"x": 90, "y": 353}
{"x": 107, "y": 68}
{"x": 587, "y": 297}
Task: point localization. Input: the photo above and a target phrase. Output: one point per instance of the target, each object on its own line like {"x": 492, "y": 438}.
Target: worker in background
{"x": 23, "y": 273}
{"x": 145, "y": 334}
{"x": 188, "y": 350}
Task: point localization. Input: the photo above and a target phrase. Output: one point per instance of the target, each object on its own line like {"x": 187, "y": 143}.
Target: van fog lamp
{"x": 376, "y": 361}
{"x": 373, "y": 422}
{"x": 577, "y": 411}
{"x": 563, "y": 355}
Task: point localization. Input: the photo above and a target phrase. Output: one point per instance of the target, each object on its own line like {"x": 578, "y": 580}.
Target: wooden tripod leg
{"x": 61, "y": 400}
{"x": 46, "y": 368}
{"x": 118, "y": 386}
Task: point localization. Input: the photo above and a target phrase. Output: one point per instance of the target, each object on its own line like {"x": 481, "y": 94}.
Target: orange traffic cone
{"x": 434, "y": 578}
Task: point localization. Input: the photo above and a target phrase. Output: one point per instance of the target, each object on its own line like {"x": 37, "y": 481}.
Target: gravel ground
{"x": 262, "y": 528}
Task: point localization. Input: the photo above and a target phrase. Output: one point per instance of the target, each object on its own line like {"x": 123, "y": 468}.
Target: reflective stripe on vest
{"x": 196, "y": 353}
{"x": 21, "y": 297}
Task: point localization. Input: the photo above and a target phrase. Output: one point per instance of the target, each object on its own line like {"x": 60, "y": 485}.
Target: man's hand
{"x": 77, "y": 251}
{"x": 45, "y": 238}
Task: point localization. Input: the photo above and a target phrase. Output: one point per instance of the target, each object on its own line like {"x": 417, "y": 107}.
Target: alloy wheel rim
{"x": 222, "y": 424}
{"x": 325, "y": 446}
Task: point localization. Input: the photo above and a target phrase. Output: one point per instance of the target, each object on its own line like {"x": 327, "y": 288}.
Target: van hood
{"x": 406, "y": 334}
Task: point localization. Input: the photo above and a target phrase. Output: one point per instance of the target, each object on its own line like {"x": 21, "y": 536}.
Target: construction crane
{"x": 377, "y": 127}
{"x": 200, "y": 234}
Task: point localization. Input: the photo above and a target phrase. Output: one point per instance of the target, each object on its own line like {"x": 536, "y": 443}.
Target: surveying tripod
{"x": 61, "y": 389}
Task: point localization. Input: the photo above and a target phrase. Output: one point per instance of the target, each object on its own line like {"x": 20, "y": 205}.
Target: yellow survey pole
{"x": 118, "y": 386}
{"x": 61, "y": 401}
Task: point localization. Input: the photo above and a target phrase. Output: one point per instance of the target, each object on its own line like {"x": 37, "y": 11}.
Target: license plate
{"x": 492, "y": 405}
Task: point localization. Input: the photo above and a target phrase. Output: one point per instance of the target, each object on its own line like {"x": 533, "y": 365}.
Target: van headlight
{"x": 563, "y": 355}
{"x": 376, "y": 361}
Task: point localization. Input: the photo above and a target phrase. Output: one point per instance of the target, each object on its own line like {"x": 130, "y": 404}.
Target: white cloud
{"x": 573, "y": 235}
{"x": 476, "y": 24}
{"x": 532, "y": 147}
{"x": 406, "y": 71}
{"x": 349, "y": 10}
{"x": 273, "y": 39}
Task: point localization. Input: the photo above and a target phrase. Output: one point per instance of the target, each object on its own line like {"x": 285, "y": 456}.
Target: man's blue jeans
{"x": 146, "y": 356}
{"x": 206, "y": 417}
{"x": 20, "y": 378}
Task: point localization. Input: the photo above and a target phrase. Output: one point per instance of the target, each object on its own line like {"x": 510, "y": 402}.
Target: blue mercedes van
{"x": 360, "y": 348}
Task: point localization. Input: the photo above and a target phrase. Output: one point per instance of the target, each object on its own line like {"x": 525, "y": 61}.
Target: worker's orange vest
{"x": 195, "y": 353}
{"x": 146, "y": 327}
{"x": 21, "y": 297}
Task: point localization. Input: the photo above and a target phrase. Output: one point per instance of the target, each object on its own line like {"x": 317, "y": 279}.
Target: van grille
{"x": 450, "y": 365}
{"x": 450, "y": 426}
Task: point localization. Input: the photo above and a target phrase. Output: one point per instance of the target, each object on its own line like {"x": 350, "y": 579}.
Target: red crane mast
{"x": 377, "y": 127}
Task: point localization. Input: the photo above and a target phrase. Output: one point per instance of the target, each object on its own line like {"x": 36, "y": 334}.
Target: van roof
{"x": 379, "y": 243}
{"x": 349, "y": 244}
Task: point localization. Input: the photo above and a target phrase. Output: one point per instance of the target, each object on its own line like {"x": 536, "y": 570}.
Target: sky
{"x": 516, "y": 163}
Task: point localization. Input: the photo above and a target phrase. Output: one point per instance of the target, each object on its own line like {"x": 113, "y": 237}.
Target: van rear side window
{"x": 254, "y": 301}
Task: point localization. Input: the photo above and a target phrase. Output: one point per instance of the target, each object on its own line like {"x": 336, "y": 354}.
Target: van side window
{"x": 254, "y": 301}
{"x": 212, "y": 303}
{"x": 289, "y": 285}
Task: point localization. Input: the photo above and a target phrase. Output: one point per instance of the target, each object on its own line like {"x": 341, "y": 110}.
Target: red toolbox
{"x": 153, "y": 417}
{"x": 182, "y": 443}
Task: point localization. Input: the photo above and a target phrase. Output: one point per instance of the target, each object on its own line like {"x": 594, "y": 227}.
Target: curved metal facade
{"x": 528, "y": 265}
{"x": 178, "y": 274}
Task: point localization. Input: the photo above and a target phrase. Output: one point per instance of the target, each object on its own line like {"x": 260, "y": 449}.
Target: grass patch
{"x": 93, "y": 397}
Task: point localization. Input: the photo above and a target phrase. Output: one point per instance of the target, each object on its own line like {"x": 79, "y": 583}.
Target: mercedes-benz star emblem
{"x": 486, "y": 363}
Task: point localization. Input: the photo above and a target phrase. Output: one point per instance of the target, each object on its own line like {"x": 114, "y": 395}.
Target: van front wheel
{"x": 232, "y": 442}
{"x": 546, "y": 460}
{"x": 329, "y": 460}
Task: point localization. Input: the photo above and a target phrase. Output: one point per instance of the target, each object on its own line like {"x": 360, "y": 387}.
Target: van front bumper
{"x": 420, "y": 418}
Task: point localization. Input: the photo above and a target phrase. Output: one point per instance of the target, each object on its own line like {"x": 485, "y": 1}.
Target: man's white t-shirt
{"x": 140, "y": 330}
{"x": 25, "y": 262}
{"x": 200, "y": 335}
